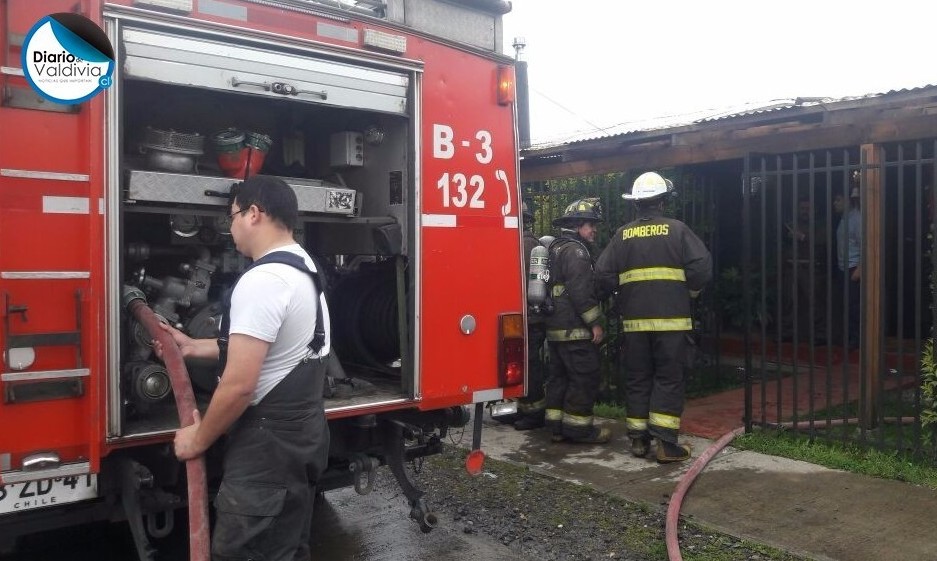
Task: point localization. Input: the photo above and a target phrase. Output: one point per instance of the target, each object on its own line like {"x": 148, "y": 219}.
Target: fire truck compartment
{"x": 349, "y": 157}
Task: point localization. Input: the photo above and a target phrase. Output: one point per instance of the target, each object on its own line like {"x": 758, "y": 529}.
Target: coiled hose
{"x": 676, "y": 500}
{"x": 199, "y": 544}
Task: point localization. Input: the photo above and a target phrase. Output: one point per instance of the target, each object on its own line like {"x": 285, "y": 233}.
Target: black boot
{"x": 671, "y": 452}
{"x": 596, "y": 436}
{"x": 529, "y": 422}
{"x": 640, "y": 446}
{"x": 556, "y": 430}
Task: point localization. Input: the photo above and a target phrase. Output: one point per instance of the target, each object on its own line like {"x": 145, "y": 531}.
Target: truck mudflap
{"x": 476, "y": 458}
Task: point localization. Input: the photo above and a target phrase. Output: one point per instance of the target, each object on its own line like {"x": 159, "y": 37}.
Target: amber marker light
{"x": 511, "y": 350}
{"x": 505, "y": 85}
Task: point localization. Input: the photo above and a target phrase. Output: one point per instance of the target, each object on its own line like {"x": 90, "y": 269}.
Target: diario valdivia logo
{"x": 67, "y": 58}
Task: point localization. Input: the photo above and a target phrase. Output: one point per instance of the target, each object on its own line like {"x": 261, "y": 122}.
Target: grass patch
{"x": 609, "y": 411}
{"x": 845, "y": 456}
{"x": 905, "y": 439}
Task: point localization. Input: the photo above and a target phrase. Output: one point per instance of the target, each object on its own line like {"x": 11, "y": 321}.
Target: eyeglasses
{"x": 243, "y": 210}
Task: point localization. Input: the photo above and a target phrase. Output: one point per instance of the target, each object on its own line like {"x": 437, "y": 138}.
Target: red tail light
{"x": 511, "y": 350}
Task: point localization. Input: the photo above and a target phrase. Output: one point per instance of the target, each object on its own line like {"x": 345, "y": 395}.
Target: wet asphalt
{"x": 346, "y": 527}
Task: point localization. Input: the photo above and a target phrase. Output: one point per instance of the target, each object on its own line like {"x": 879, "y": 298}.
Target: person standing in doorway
{"x": 848, "y": 257}
{"x": 574, "y": 329}
{"x": 656, "y": 264}
{"x": 272, "y": 348}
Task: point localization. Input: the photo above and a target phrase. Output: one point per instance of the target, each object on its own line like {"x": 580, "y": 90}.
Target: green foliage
{"x": 732, "y": 297}
{"x": 928, "y": 388}
{"x": 730, "y": 293}
{"x": 549, "y": 199}
{"x": 609, "y": 411}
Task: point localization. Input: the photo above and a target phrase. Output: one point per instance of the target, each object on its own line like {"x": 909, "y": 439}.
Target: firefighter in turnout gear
{"x": 574, "y": 329}
{"x": 530, "y": 408}
{"x": 655, "y": 264}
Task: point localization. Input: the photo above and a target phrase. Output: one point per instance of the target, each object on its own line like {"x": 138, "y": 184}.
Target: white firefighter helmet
{"x": 649, "y": 186}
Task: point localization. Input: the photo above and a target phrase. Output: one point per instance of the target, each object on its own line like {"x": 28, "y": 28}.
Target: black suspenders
{"x": 285, "y": 258}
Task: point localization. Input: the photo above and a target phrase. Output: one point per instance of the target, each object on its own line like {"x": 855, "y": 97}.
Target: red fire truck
{"x": 394, "y": 122}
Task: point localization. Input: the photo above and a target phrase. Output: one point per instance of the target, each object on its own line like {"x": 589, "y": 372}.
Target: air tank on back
{"x": 538, "y": 277}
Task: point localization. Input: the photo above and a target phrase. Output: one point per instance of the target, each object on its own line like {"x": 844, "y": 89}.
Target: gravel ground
{"x": 544, "y": 518}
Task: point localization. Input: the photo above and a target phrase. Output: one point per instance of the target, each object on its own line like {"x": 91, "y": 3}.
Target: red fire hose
{"x": 676, "y": 500}
{"x": 199, "y": 548}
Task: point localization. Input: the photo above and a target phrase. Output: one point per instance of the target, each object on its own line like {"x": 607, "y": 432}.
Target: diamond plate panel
{"x": 313, "y": 195}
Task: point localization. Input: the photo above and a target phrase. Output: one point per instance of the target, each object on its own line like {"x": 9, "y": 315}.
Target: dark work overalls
{"x": 275, "y": 453}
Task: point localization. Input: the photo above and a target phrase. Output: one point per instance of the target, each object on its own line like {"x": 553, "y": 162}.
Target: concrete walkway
{"x": 795, "y": 506}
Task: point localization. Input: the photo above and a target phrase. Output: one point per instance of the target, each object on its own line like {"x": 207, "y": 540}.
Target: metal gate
{"x": 839, "y": 294}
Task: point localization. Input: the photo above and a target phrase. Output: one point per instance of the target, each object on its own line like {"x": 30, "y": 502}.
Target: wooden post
{"x": 871, "y": 280}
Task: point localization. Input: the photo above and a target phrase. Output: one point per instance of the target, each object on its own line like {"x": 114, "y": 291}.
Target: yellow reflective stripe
{"x": 576, "y": 334}
{"x": 666, "y": 421}
{"x": 635, "y": 424}
{"x": 592, "y": 314}
{"x": 589, "y": 316}
{"x": 577, "y": 420}
{"x": 652, "y": 273}
{"x": 657, "y": 324}
{"x": 554, "y": 415}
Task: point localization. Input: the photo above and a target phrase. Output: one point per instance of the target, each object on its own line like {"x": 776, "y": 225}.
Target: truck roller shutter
{"x": 204, "y": 63}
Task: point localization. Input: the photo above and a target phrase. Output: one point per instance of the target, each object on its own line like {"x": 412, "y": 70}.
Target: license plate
{"x": 17, "y": 497}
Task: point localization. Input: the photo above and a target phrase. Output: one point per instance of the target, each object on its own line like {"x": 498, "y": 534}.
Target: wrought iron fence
{"x": 838, "y": 276}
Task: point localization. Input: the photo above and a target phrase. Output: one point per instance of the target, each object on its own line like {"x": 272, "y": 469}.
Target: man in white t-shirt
{"x": 269, "y": 398}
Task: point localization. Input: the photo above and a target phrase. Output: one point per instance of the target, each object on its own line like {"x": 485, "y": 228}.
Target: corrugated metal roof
{"x": 718, "y": 114}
